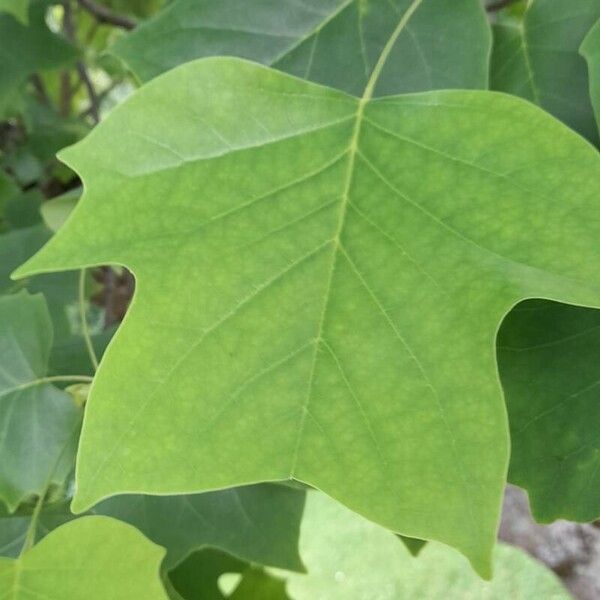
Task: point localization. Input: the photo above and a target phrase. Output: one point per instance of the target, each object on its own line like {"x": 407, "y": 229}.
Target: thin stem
{"x": 84, "y": 324}
{"x": 52, "y": 379}
{"x": 368, "y": 93}
{"x": 32, "y": 528}
{"x": 104, "y": 15}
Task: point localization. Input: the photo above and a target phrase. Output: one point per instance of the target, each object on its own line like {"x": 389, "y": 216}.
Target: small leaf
{"x": 55, "y": 211}
{"x": 95, "y": 558}
{"x": 590, "y": 49}
{"x": 334, "y": 42}
{"x": 538, "y": 59}
{"x": 39, "y": 423}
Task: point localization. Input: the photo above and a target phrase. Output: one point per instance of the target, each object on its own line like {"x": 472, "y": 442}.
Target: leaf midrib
{"x": 348, "y": 178}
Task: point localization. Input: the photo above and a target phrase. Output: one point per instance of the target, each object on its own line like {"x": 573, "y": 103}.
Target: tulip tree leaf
{"x": 590, "y": 49}
{"x": 27, "y": 49}
{"x": 538, "y": 59}
{"x": 348, "y": 557}
{"x": 334, "y": 42}
{"x": 548, "y": 355}
{"x": 256, "y": 523}
{"x": 339, "y": 247}
{"x": 94, "y": 558}
{"x": 39, "y": 423}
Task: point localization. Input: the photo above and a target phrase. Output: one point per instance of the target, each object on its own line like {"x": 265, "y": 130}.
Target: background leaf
{"x": 94, "y": 558}
{"x": 39, "y": 423}
{"x": 590, "y": 49}
{"x": 334, "y": 42}
{"x": 348, "y": 557}
{"x": 539, "y": 59}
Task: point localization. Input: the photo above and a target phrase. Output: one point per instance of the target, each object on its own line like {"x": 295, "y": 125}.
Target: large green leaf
{"x": 334, "y": 42}
{"x": 256, "y": 523}
{"x": 548, "y": 355}
{"x": 95, "y": 558}
{"x": 590, "y": 49}
{"x": 539, "y": 59}
{"x": 39, "y": 424}
{"x": 348, "y": 557}
{"x": 27, "y": 49}
{"x": 326, "y": 252}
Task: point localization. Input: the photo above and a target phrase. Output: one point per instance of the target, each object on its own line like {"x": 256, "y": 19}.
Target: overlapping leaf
{"x": 94, "y": 558}
{"x": 591, "y": 51}
{"x": 333, "y": 42}
{"x": 39, "y": 424}
{"x": 17, "y": 8}
{"x": 347, "y": 557}
{"x": 548, "y": 356}
{"x": 539, "y": 59}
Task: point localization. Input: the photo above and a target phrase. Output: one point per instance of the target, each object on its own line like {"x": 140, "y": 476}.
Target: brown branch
{"x": 40, "y": 89}
{"x": 499, "y": 5}
{"x": 94, "y": 108}
{"x": 104, "y": 15}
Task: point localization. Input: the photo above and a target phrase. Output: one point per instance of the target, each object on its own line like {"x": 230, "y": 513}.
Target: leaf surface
{"x": 348, "y": 557}
{"x": 17, "y": 8}
{"x": 538, "y": 59}
{"x": 548, "y": 355}
{"x": 341, "y": 267}
{"x": 333, "y": 42}
{"x": 94, "y": 558}
{"x": 590, "y": 49}
{"x": 39, "y": 423}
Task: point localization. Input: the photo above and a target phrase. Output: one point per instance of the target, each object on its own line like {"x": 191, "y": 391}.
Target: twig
{"x": 499, "y": 5}
{"x": 104, "y": 15}
{"x": 94, "y": 108}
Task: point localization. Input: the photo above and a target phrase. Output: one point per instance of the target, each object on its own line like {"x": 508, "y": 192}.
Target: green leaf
{"x": 548, "y": 355}
{"x": 257, "y": 523}
{"x": 96, "y": 558}
{"x": 39, "y": 423}
{"x": 17, "y": 8}
{"x": 258, "y": 585}
{"x": 27, "y": 49}
{"x": 14, "y": 526}
{"x": 55, "y": 211}
{"x": 538, "y": 59}
{"x": 590, "y": 49}
{"x": 348, "y": 557}
{"x": 197, "y": 578}
{"x": 338, "y": 248}
{"x": 413, "y": 545}
{"x": 334, "y": 42}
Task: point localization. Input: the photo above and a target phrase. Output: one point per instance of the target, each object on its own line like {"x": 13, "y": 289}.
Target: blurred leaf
{"x": 95, "y": 558}
{"x": 39, "y": 423}
{"x": 19, "y": 9}
{"x": 27, "y": 49}
{"x": 23, "y": 210}
{"x": 538, "y": 59}
{"x": 334, "y": 42}
{"x": 349, "y": 557}
{"x": 590, "y": 49}
{"x": 55, "y": 211}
